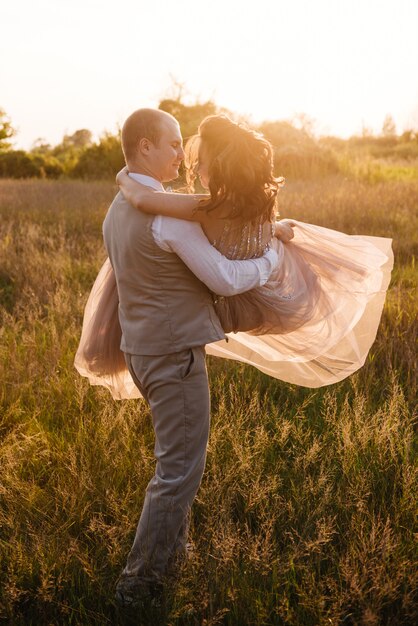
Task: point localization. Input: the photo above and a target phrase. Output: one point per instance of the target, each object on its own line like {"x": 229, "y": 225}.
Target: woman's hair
{"x": 240, "y": 168}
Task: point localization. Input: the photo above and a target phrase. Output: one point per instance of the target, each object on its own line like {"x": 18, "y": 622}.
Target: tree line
{"x": 298, "y": 153}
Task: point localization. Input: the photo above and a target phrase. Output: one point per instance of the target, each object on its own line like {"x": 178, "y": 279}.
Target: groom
{"x": 165, "y": 271}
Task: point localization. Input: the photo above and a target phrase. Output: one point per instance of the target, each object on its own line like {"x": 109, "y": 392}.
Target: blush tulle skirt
{"x": 312, "y": 324}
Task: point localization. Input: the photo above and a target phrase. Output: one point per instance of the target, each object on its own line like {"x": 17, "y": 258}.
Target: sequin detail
{"x": 243, "y": 242}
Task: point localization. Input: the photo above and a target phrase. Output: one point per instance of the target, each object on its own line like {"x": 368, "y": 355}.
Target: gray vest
{"x": 163, "y": 307}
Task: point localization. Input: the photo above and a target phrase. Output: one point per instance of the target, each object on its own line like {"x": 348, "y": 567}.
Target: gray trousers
{"x": 176, "y": 388}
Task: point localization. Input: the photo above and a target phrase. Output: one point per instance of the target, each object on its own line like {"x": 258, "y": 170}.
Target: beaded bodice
{"x": 243, "y": 241}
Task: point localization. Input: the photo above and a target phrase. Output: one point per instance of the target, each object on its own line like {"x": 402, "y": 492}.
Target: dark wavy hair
{"x": 240, "y": 169}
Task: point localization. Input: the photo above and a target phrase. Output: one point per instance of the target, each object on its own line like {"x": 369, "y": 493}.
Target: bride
{"x": 315, "y": 320}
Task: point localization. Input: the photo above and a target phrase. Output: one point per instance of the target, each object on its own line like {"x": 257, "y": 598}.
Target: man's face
{"x": 164, "y": 159}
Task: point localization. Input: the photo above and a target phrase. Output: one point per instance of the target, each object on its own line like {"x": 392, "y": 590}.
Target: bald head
{"x": 152, "y": 144}
{"x": 143, "y": 123}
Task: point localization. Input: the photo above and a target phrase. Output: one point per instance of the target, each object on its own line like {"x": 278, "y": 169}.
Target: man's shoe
{"x": 133, "y": 592}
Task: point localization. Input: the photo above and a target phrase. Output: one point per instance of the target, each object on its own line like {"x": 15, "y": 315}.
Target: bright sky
{"x": 71, "y": 64}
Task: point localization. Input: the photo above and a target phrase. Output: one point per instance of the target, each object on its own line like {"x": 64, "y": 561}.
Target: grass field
{"x": 307, "y": 511}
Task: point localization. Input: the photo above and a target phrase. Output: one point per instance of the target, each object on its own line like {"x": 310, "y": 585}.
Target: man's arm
{"x": 222, "y": 276}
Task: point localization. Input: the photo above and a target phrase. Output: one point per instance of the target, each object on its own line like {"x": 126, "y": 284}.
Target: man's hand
{"x": 284, "y": 230}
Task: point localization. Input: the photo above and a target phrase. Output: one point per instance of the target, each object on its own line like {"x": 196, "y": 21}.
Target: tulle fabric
{"x": 336, "y": 287}
{"x": 99, "y": 357}
{"x": 312, "y": 324}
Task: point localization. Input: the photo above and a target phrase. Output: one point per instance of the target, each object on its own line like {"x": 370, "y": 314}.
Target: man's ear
{"x": 144, "y": 145}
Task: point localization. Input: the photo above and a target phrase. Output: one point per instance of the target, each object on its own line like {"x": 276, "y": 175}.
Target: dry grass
{"x": 307, "y": 509}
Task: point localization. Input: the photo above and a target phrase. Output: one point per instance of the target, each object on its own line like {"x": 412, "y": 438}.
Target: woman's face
{"x": 203, "y": 166}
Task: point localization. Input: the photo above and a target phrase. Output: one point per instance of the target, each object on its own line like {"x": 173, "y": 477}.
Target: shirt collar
{"x": 149, "y": 181}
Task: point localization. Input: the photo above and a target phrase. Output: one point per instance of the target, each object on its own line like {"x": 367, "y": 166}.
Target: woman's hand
{"x": 135, "y": 193}
{"x": 122, "y": 175}
{"x": 284, "y": 230}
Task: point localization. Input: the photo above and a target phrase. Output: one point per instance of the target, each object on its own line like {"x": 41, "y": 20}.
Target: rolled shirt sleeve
{"x": 223, "y": 276}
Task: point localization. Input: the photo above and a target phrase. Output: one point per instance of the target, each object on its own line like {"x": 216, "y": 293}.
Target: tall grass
{"x": 307, "y": 508}
{"x": 374, "y": 170}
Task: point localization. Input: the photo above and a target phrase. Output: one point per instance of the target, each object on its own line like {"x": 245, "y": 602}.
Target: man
{"x": 165, "y": 271}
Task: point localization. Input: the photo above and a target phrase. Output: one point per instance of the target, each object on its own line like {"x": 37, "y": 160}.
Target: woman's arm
{"x": 180, "y": 205}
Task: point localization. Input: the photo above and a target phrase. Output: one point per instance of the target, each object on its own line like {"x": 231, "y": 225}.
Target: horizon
{"x": 312, "y": 127}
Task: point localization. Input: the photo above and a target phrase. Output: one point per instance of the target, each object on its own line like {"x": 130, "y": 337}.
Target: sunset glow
{"x": 87, "y": 64}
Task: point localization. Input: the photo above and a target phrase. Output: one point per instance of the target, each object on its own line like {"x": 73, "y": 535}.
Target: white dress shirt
{"x": 187, "y": 239}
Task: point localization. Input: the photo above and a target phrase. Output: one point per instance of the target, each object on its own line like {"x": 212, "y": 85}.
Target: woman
{"x": 313, "y": 323}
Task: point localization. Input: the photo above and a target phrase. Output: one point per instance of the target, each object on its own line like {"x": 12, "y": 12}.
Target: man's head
{"x": 152, "y": 144}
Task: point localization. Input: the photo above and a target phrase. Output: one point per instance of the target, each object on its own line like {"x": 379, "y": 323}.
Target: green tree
{"x": 102, "y": 160}
{"x": 69, "y": 151}
{"x": 6, "y": 131}
{"x": 188, "y": 116}
{"x": 17, "y": 164}
{"x": 21, "y": 164}
{"x": 79, "y": 140}
{"x": 296, "y": 153}
{"x": 40, "y": 146}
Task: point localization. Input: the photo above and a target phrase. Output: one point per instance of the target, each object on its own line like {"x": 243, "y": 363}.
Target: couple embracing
{"x": 190, "y": 274}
